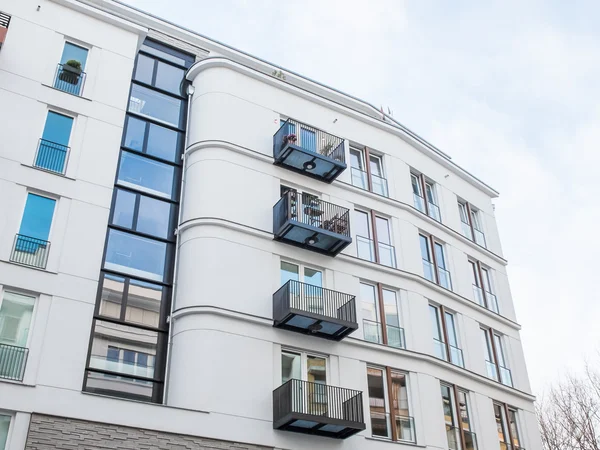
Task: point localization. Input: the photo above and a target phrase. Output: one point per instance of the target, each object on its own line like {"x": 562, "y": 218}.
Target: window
{"x": 68, "y": 80}
{"x": 482, "y": 286}
{"x": 53, "y": 149}
{"x": 159, "y": 74}
{"x": 508, "y": 430}
{"x": 152, "y": 139}
{"x": 368, "y": 176}
{"x": 424, "y": 196}
{"x": 445, "y": 336}
{"x": 31, "y": 244}
{"x": 146, "y": 175}
{"x": 389, "y": 405}
{"x": 370, "y": 228}
{"x": 456, "y": 414}
{"x": 495, "y": 357}
{"x": 143, "y": 214}
{"x": 381, "y": 315}
{"x": 305, "y": 287}
{"x": 311, "y": 369}
{"x": 16, "y": 313}
{"x": 435, "y": 267}
{"x": 156, "y": 105}
{"x": 4, "y": 427}
{"x": 470, "y": 221}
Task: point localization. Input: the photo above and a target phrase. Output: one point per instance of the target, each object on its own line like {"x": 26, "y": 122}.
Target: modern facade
{"x": 200, "y": 249}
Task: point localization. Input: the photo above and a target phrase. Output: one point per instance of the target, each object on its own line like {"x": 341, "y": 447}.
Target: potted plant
{"x": 327, "y": 148}
{"x": 71, "y": 71}
{"x": 289, "y": 139}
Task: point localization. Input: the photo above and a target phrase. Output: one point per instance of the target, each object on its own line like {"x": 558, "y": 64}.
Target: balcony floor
{"x": 318, "y": 425}
{"x": 299, "y": 321}
{"x": 297, "y": 233}
{"x": 300, "y": 160}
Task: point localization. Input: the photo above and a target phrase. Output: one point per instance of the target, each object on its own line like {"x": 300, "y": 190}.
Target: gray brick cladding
{"x": 49, "y": 432}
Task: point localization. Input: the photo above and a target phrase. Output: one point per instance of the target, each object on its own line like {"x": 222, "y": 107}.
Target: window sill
{"x": 19, "y": 383}
{"x": 61, "y": 175}
{"x": 389, "y": 441}
{"x": 68, "y": 93}
{"x": 39, "y": 269}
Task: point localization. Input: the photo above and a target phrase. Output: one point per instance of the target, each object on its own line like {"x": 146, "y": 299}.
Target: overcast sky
{"x": 510, "y": 89}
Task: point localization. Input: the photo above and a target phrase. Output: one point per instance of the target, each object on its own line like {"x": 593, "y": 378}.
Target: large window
{"x": 435, "y": 267}
{"x": 445, "y": 335}
{"x": 53, "y": 149}
{"x": 367, "y": 171}
{"x": 66, "y": 79}
{"x": 483, "y": 290}
{"x": 31, "y": 244}
{"x": 495, "y": 357}
{"x": 459, "y": 430}
{"x": 381, "y": 315}
{"x": 16, "y": 315}
{"x": 507, "y": 427}
{"x": 127, "y": 354}
{"x": 4, "y": 427}
{"x": 389, "y": 404}
{"x": 312, "y": 369}
{"x": 425, "y": 196}
{"x": 470, "y": 221}
{"x": 372, "y": 228}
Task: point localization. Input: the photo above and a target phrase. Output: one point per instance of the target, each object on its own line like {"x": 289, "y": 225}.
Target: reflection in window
{"x": 111, "y": 296}
{"x": 143, "y": 303}
{"x": 123, "y": 207}
{"x": 169, "y": 78}
{"x": 163, "y": 142}
{"x": 146, "y": 175}
{"x": 4, "y": 425}
{"x": 153, "y": 217}
{"x": 380, "y": 420}
{"x": 134, "y": 134}
{"x": 153, "y": 104}
{"x": 134, "y": 255}
{"x": 144, "y": 69}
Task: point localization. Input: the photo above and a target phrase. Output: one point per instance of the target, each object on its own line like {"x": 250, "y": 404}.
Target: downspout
{"x": 190, "y": 93}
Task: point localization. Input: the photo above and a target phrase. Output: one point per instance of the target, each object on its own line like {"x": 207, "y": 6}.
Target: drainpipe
{"x": 190, "y": 93}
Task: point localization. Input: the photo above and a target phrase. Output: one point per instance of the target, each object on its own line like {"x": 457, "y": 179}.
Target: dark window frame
{"x": 180, "y": 144}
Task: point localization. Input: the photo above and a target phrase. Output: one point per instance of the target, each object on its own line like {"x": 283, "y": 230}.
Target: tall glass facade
{"x": 129, "y": 335}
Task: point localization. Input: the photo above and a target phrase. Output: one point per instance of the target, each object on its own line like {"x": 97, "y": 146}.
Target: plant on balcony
{"x": 71, "y": 71}
{"x": 290, "y": 139}
{"x": 327, "y": 148}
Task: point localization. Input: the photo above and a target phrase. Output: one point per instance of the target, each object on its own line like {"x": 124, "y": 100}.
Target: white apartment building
{"x": 200, "y": 250}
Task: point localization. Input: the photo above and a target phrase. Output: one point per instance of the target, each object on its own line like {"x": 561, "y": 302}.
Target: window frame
{"x": 473, "y": 215}
{"x": 432, "y": 241}
{"x": 389, "y": 402}
{"x": 148, "y": 123}
{"x": 483, "y": 275}
{"x": 423, "y": 182}
{"x": 507, "y": 432}
{"x": 44, "y": 195}
{"x": 491, "y": 335}
{"x": 373, "y": 238}
{"x": 442, "y": 324}
{"x": 11, "y": 422}
{"x": 380, "y": 313}
{"x": 304, "y": 354}
{"x": 34, "y": 311}
{"x": 457, "y": 421}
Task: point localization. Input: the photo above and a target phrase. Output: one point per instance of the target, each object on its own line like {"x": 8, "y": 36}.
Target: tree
{"x": 569, "y": 415}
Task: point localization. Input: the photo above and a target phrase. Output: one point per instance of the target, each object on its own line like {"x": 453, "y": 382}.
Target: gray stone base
{"x": 50, "y": 433}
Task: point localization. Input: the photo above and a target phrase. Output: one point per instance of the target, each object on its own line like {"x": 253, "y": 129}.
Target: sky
{"x": 509, "y": 89}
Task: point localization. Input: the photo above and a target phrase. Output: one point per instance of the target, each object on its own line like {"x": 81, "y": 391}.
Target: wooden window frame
{"x": 470, "y": 210}
{"x": 505, "y": 409}
{"x": 423, "y": 182}
{"x": 431, "y": 241}
{"x": 491, "y": 333}
{"x": 456, "y": 411}
{"x": 366, "y": 159}
{"x": 381, "y": 306}
{"x": 372, "y": 223}
{"x": 479, "y": 269}
{"x": 441, "y": 315}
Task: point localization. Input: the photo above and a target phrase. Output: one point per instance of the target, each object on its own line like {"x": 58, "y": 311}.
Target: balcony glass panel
{"x": 419, "y": 202}
{"x": 379, "y": 185}
{"x": 456, "y": 356}
{"x": 434, "y": 211}
{"x": 478, "y": 295}
{"x": 491, "y": 370}
{"x": 146, "y": 175}
{"x": 365, "y": 248}
{"x": 395, "y": 336}
{"x": 445, "y": 280}
{"x": 428, "y": 270}
{"x": 359, "y": 178}
{"x": 492, "y": 302}
{"x": 372, "y": 331}
{"x": 506, "y": 376}
{"x": 453, "y": 436}
{"x": 387, "y": 255}
{"x": 150, "y": 103}
{"x": 480, "y": 238}
{"x": 466, "y": 230}
{"x": 439, "y": 349}
{"x": 405, "y": 428}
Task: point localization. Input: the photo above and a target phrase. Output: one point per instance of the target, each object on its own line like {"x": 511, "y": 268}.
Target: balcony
{"x": 309, "y": 151}
{"x": 441, "y": 352}
{"x": 69, "y": 80}
{"x": 455, "y": 435}
{"x": 366, "y": 250}
{"x": 30, "y": 251}
{"x": 373, "y": 333}
{"x": 313, "y": 310}
{"x": 12, "y": 362}
{"x": 314, "y": 408}
{"x": 4, "y": 23}
{"x": 52, "y": 157}
{"x": 305, "y": 221}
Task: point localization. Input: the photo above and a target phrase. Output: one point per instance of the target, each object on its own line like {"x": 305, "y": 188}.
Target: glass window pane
{"x": 376, "y": 166}
{"x": 362, "y": 224}
{"x": 435, "y": 323}
{"x": 383, "y": 230}
{"x": 487, "y": 345}
{"x": 121, "y": 386}
{"x": 111, "y": 296}
{"x": 424, "y": 247}
{"x": 134, "y": 135}
{"x": 154, "y": 217}
{"x": 37, "y": 217}
{"x": 369, "y": 302}
{"x": 291, "y": 367}
{"x": 57, "y": 128}
{"x": 169, "y": 78}
{"x": 316, "y": 369}
{"x": 314, "y": 277}
{"x": 356, "y": 159}
{"x": 447, "y": 404}
{"x": 391, "y": 308}
{"x": 377, "y": 403}
{"x": 439, "y": 255}
{"x": 146, "y": 175}
{"x": 163, "y": 142}
{"x": 123, "y": 209}
{"x": 4, "y": 425}
{"x": 451, "y": 329}
{"x": 144, "y": 69}
{"x": 289, "y": 272}
{"x": 430, "y": 193}
{"x": 72, "y": 51}
{"x": 514, "y": 429}
{"x": 112, "y": 339}
{"x": 499, "y": 413}
{"x": 16, "y": 311}
{"x": 135, "y": 255}
{"x": 143, "y": 303}
{"x": 464, "y": 411}
{"x": 164, "y": 55}
{"x": 499, "y": 350}
{"x": 150, "y": 103}
{"x": 415, "y": 185}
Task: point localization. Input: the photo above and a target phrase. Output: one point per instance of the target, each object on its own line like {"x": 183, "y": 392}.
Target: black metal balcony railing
{"x": 310, "y": 151}
{"x": 12, "y": 362}
{"x": 314, "y": 408}
{"x": 30, "y": 251}
{"x": 52, "y": 156}
{"x": 69, "y": 80}
{"x": 314, "y": 310}
{"x": 305, "y": 221}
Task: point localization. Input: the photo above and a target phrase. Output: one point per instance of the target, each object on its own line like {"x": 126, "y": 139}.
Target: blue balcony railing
{"x": 310, "y": 151}
{"x": 69, "y": 80}
{"x": 30, "y": 251}
{"x": 52, "y": 156}
{"x": 12, "y": 362}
